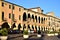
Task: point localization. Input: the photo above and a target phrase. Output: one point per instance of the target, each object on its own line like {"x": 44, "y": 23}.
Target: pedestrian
{"x": 13, "y": 25}
{"x": 19, "y": 26}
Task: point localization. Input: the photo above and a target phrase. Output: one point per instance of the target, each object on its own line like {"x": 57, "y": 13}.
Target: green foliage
{"x": 25, "y": 32}
{"x": 4, "y": 32}
{"x": 59, "y": 31}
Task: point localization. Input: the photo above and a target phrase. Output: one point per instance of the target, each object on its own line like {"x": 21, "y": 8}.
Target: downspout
{"x": 12, "y": 16}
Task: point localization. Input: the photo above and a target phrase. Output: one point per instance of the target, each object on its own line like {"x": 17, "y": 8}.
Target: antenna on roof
{"x": 42, "y": 10}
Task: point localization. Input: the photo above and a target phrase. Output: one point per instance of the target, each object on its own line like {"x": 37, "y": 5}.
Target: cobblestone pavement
{"x": 20, "y": 37}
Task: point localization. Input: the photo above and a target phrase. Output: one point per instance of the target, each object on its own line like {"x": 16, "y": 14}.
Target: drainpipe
{"x": 12, "y": 16}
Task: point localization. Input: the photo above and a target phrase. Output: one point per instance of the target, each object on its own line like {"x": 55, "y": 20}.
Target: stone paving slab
{"x": 51, "y": 38}
{"x": 19, "y": 37}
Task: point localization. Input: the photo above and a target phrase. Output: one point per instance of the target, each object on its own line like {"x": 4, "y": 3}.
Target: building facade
{"x": 32, "y": 18}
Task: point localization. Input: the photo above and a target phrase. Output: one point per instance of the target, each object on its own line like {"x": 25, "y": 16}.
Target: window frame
{"x": 9, "y": 15}
{"x": 2, "y": 15}
{"x": 9, "y": 6}
{"x": 2, "y": 4}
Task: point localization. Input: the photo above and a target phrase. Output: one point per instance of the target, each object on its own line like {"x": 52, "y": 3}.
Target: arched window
{"x": 32, "y": 16}
{"x": 42, "y": 20}
{"x": 24, "y": 16}
{"x": 28, "y": 15}
{"x": 39, "y": 19}
{"x": 36, "y": 18}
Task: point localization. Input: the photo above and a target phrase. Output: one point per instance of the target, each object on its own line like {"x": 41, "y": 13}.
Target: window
{"x": 9, "y": 15}
{"x": 49, "y": 23}
{"x": 36, "y": 18}
{"x": 33, "y": 17}
{"x": 19, "y": 17}
{"x": 2, "y": 15}
{"x": 19, "y": 9}
{"x": 13, "y": 7}
{"x": 28, "y": 15}
{"x": 24, "y": 16}
{"x": 9, "y": 6}
{"x": 39, "y": 19}
{"x": 42, "y": 20}
{"x": 2, "y": 4}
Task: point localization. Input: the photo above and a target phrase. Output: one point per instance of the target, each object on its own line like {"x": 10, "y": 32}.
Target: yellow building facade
{"x": 32, "y": 18}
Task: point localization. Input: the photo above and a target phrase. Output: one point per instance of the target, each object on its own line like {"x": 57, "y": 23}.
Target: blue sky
{"x": 46, "y": 5}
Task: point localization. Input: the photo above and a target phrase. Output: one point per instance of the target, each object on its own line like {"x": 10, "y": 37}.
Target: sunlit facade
{"x": 32, "y": 18}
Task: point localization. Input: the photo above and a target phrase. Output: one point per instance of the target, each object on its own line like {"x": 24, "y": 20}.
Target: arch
{"x": 24, "y": 16}
{"x": 42, "y": 20}
{"x": 5, "y": 25}
{"x": 32, "y": 16}
{"x": 36, "y": 18}
{"x": 29, "y": 16}
{"x": 39, "y": 19}
{"x": 28, "y": 26}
